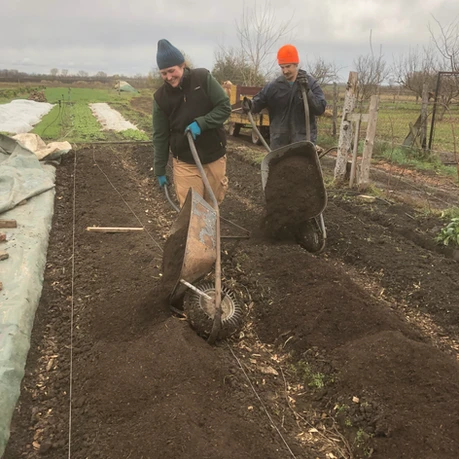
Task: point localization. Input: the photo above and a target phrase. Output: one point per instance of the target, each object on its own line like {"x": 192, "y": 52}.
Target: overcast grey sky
{"x": 120, "y": 37}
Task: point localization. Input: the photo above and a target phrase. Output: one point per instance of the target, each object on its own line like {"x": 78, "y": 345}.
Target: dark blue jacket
{"x": 286, "y": 110}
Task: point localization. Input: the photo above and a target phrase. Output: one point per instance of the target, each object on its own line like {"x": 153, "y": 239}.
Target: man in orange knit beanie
{"x": 282, "y": 97}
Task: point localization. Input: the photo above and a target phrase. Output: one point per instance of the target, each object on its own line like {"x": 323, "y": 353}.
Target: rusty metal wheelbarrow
{"x": 192, "y": 249}
{"x": 313, "y": 233}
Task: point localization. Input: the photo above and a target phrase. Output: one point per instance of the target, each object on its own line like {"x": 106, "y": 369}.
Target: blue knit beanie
{"x": 168, "y": 55}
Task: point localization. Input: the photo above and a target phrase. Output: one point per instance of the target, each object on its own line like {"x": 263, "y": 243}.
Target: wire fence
{"x": 396, "y": 112}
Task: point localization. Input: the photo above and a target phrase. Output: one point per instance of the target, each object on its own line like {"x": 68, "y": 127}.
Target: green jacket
{"x": 214, "y": 119}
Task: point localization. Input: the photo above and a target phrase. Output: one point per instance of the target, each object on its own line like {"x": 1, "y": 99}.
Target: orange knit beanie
{"x": 288, "y": 54}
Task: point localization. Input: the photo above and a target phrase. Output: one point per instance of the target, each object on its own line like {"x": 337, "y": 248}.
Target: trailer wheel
{"x": 234, "y": 129}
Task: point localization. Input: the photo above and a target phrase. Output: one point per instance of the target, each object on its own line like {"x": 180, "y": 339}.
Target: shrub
{"x": 450, "y": 233}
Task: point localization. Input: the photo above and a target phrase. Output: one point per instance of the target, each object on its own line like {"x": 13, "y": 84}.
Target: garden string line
{"x": 72, "y": 304}
{"x": 128, "y": 206}
{"x": 261, "y": 402}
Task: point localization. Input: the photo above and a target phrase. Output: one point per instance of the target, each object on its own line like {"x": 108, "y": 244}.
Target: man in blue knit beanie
{"x": 189, "y": 100}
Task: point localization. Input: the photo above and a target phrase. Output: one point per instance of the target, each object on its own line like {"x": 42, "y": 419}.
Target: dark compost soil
{"x": 367, "y": 332}
{"x": 293, "y": 195}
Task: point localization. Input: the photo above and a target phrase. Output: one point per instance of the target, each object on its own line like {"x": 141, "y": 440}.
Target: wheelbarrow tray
{"x": 310, "y": 168}
{"x": 190, "y": 250}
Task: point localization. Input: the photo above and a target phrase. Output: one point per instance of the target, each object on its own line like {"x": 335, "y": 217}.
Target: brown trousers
{"x": 187, "y": 176}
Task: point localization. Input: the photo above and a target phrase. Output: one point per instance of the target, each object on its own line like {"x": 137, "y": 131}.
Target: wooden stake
{"x": 335, "y": 108}
{"x": 345, "y": 133}
{"x": 8, "y": 224}
{"x": 111, "y": 229}
{"x": 369, "y": 143}
{"x": 424, "y": 114}
{"x": 355, "y": 153}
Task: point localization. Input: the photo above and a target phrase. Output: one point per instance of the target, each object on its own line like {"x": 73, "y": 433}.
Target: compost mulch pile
{"x": 306, "y": 305}
{"x": 294, "y": 192}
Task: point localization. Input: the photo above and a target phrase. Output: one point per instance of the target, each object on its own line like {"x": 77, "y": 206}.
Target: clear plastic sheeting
{"x": 22, "y": 272}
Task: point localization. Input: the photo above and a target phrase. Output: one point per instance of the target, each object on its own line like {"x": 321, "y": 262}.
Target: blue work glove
{"x": 194, "y": 129}
{"x": 162, "y": 179}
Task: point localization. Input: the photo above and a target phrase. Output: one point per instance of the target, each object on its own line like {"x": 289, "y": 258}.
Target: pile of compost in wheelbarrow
{"x": 293, "y": 189}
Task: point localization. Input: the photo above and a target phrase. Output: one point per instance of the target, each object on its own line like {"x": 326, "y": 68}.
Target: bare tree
{"x": 446, "y": 40}
{"x": 82, "y": 73}
{"x": 230, "y": 65}
{"x": 324, "y": 72}
{"x": 64, "y": 72}
{"x": 259, "y": 33}
{"x": 54, "y": 72}
{"x": 372, "y": 70}
{"x": 101, "y": 74}
{"x": 415, "y": 69}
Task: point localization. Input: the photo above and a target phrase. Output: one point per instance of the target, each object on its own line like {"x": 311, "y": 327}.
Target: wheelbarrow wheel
{"x": 310, "y": 237}
{"x": 200, "y": 311}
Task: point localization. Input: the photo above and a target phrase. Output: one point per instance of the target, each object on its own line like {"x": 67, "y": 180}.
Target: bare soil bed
{"x": 142, "y": 104}
{"x": 352, "y": 353}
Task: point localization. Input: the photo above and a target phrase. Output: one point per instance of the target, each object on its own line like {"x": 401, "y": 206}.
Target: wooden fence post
{"x": 353, "y": 176}
{"x": 369, "y": 143}
{"x": 335, "y": 108}
{"x": 345, "y": 132}
{"x": 424, "y": 115}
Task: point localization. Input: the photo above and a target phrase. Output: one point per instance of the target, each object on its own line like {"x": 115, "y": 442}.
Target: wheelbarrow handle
{"x": 172, "y": 203}
{"x": 306, "y": 113}
{"x": 217, "y": 323}
{"x": 205, "y": 180}
{"x": 257, "y": 131}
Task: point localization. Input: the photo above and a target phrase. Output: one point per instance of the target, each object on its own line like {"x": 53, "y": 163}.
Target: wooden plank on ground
{"x": 8, "y": 223}
{"x": 112, "y": 229}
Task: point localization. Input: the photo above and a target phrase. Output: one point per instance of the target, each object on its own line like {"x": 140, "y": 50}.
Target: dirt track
{"x": 357, "y": 343}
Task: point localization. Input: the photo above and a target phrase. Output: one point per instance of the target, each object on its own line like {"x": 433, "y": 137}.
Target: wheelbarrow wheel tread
{"x": 201, "y": 319}
{"x": 310, "y": 237}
